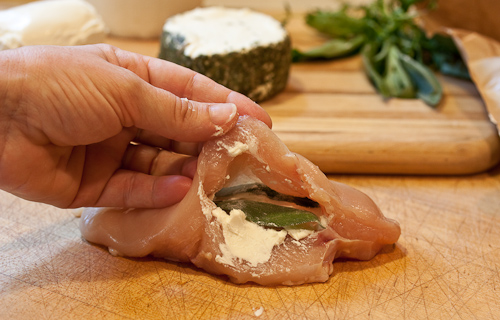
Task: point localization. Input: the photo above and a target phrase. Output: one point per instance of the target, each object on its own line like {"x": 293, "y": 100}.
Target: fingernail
{"x": 221, "y": 114}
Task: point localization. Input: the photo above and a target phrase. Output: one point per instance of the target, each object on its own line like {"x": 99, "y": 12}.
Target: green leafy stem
{"x": 271, "y": 215}
{"x": 266, "y": 214}
{"x": 396, "y": 53}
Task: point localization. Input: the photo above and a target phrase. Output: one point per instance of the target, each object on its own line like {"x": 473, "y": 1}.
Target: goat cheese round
{"x": 244, "y": 50}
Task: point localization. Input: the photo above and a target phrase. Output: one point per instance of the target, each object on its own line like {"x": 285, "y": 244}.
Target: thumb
{"x": 184, "y": 120}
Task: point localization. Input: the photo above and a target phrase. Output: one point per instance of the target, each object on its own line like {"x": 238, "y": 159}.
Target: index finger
{"x": 186, "y": 83}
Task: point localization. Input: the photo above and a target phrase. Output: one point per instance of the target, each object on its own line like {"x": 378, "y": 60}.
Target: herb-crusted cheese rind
{"x": 244, "y": 50}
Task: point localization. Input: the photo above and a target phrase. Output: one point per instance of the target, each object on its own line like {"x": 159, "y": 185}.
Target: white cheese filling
{"x": 299, "y": 234}
{"x": 248, "y": 241}
{"x": 245, "y": 240}
{"x": 237, "y": 148}
{"x": 219, "y": 30}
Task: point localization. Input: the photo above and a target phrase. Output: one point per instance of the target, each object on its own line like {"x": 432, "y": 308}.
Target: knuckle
{"x": 198, "y": 86}
{"x": 128, "y": 195}
{"x": 190, "y": 85}
{"x": 184, "y": 112}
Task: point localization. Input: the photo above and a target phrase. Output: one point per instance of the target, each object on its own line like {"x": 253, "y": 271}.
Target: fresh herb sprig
{"x": 272, "y": 215}
{"x": 268, "y": 214}
{"x": 396, "y": 53}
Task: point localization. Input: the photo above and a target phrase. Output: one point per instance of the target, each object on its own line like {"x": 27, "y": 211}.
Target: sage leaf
{"x": 448, "y": 65}
{"x": 238, "y": 189}
{"x": 445, "y": 56}
{"x": 336, "y": 24}
{"x": 271, "y": 215}
{"x": 388, "y": 26}
{"x": 428, "y": 87}
{"x": 371, "y": 69}
{"x": 262, "y": 189}
{"x": 456, "y": 69}
{"x": 334, "y": 48}
{"x": 398, "y": 82}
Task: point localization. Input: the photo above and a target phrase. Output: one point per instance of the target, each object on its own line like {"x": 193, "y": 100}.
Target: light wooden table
{"x": 446, "y": 264}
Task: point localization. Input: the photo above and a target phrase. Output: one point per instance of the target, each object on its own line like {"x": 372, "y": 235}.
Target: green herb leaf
{"x": 455, "y": 68}
{"x": 396, "y": 79}
{"x": 336, "y": 24}
{"x": 387, "y": 26}
{"x": 262, "y": 189}
{"x": 446, "y": 57}
{"x": 334, "y": 48}
{"x": 271, "y": 215}
{"x": 371, "y": 69}
{"x": 428, "y": 87}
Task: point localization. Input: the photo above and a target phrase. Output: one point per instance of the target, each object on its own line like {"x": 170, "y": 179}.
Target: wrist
{"x": 11, "y": 81}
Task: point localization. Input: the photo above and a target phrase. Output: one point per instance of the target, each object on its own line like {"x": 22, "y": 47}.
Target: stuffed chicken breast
{"x": 256, "y": 212}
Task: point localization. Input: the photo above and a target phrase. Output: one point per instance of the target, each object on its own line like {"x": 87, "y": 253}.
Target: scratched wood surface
{"x": 446, "y": 264}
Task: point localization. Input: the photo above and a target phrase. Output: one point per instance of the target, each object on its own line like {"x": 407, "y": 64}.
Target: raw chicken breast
{"x": 197, "y": 231}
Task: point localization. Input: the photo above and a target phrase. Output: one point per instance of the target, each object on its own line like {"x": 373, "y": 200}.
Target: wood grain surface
{"x": 331, "y": 114}
{"x": 446, "y": 264}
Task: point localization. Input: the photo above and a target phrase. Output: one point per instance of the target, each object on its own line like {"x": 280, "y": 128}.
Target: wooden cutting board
{"x": 445, "y": 266}
{"x": 331, "y": 114}
{"x": 335, "y": 119}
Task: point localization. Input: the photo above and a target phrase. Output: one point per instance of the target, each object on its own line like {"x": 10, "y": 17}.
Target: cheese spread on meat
{"x": 299, "y": 234}
{"x": 244, "y": 239}
{"x": 237, "y": 148}
{"x": 247, "y": 240}
{"x": 195, "y": 230}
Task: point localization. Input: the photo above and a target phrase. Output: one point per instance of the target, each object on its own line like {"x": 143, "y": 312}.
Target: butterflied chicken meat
{"x": 255, "y": 212}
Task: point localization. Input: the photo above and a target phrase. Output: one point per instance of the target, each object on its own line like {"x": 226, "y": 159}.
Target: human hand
{"x": 68, "y": 116}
